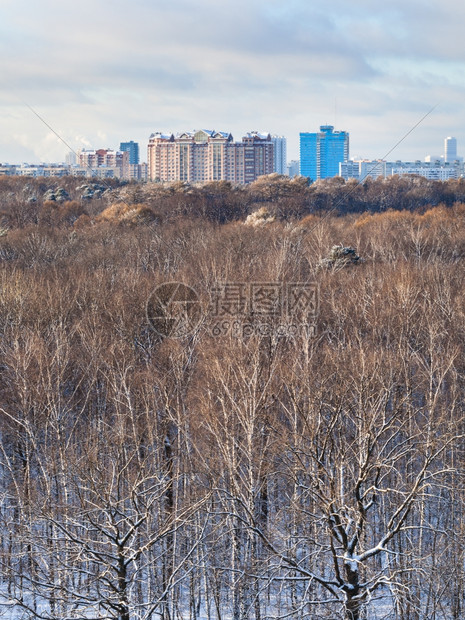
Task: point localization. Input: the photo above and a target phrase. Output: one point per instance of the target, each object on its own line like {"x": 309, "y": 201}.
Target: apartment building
{"x": 105, "y": 158}
{"x": 322, "y": 152}
{"x": 279, "y": 154}
{"x": 433, "y": 171}
{"x": 208, "y": 155}
{"x": 133, "y": 149}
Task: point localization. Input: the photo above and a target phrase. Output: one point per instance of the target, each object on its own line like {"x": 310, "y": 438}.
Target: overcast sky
{"x": 104, "y": 72}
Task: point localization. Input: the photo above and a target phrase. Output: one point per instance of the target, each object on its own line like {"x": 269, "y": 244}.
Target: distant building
{"x": 7, "y": 170}
{"x": 450, "y": 150}
{"x": 279, "y": 154}
{"x": 207, "y": 155}
{"x": 93, "y": 160}
{"x": 42, "y": 170}
{"x": 360, "y": 169}
{"x": 350, "y": 170}
{"x": 258, "y": 155}
{"x": 133, "y": 149}
{"x": 293, "y": 168}
{"x": 71, "y": 158}
{"x": 138, "y": 172}
{"x": 322, "y": 152}
{"x": 431, "y": 171}
{"x": 434, "y": 171}
{"x": 308, "y": 155}
{"x": 103, "y": 172}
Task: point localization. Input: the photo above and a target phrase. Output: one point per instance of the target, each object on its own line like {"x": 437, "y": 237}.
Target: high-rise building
{"x": 105, "y": 158}
{"x": 207, "y": 155}
{"x": 308, "y": 150}
{"x": 279, "y": 154}
{"x": 322, "y": 152}
{"x": 450, "y": 150}
{"x": 133, "y": 149}
{"x": 292, "y": 168}
{"x": 71, "y": 158}
{"x": 258, "y": 155}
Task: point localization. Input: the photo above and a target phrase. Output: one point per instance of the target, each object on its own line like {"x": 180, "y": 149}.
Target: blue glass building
{"x": 308, "y": 149}
{"x": 322, "y": 152}
{"x": 133, "y": 149}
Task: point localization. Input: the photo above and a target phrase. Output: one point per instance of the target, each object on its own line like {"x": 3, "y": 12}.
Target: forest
{"x": 264, "y": 462}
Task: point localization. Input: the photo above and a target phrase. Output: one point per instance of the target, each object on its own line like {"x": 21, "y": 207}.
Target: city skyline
{"x": 99, "y": 73}
{"x": 309, "y": 147}
{"x": 449, "y": 154}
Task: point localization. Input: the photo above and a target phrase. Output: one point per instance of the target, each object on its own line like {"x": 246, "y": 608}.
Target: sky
{"x": 101, "y": 73}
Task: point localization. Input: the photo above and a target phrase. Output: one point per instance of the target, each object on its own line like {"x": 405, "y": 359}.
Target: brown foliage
{"x": 294, "y": 440}
{"x": 122, "y": 213}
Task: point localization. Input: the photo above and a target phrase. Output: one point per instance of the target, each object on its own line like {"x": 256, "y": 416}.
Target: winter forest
{"x": 232, "y": 474}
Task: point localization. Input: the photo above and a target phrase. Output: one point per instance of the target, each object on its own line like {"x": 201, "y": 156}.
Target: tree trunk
{"x": 123, "y": 607}
{"x": 353, "y": 603}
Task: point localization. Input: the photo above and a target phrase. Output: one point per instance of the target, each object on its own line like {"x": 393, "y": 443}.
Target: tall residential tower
{"x": 279, "y": 154}
{"x": 322, "y": 152}
{"x": 133, "y": 149}
{"x": 206, "y": 155}
{"x": 450, "y": 150}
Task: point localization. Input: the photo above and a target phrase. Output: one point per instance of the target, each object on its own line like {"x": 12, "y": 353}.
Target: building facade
{"x": 434, "y": 171}
{"x": 279, "y": 154}
{"x": 450, "y": 150}
{"x": 8, "y": 170}
{"x": 133, "y": 149}
{"x": 293, "y": 168}
{"x": 360, "y": 169}
{"x": 207, "y": 155}
{"x": 105, "y": 158}
{"x": 71, "y": 158}
{"x": 322, "y": 152}
{"x": 138, "y": 172}
{"x": 35, "y": 170}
